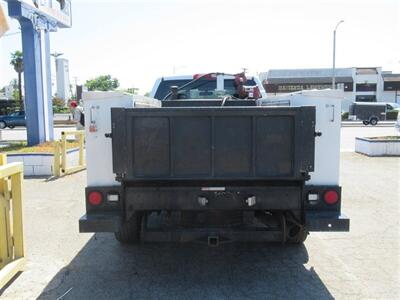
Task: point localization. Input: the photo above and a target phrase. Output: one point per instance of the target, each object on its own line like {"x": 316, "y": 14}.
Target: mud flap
{"x": 327, "y": 221}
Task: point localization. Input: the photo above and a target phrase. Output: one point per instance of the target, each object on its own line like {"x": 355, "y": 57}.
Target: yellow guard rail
{"x": 60, "y": 154}
{"x": 12, "y": 258}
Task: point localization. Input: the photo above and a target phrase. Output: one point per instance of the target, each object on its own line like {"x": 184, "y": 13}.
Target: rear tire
{"x": 365, "y": 123}
{"x": 130, "y": 230}
{"x": 11, "y": 126}
{"x": 300, "y": 236}
{"x": 3, "y": 125}
{"x": 373, "y": 121}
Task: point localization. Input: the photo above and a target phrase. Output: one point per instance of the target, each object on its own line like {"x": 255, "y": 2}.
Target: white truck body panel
{"x": 97, "y": 107}
{"x": 328, "y": 122}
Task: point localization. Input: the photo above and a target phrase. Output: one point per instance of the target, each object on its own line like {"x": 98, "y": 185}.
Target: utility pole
{"x": 334, "y": 54}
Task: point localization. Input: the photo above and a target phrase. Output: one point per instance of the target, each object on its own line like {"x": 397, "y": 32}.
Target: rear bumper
{"x": 315, "y": 221}
{"x": 214, "y": 198}
{"x": 100, "y": 222}
{"x": 327, "y": 221}
{"x": 319, "y": 216}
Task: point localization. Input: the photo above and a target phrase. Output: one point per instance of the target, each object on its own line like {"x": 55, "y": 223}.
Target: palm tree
{"x": 18, "y": 64}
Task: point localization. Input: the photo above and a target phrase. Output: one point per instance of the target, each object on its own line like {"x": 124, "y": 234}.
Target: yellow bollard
{"x": 12, "y": 250}
{"x": 57, "y": 159}
{"x": 63, "y": 152}
{"x": 81, "y": 145}
{"x": 5, "y": 228}
{"x": 60, "y": 154}
{"x": 18, "y": 230}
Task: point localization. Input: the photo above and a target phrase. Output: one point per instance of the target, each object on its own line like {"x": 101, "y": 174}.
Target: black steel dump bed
{"x": 213, "y": 143}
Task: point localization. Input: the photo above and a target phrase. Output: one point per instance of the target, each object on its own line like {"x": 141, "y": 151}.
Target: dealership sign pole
{"x": 37, "y": 19}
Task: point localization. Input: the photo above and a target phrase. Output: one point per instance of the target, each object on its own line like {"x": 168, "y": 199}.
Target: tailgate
{"x": 213, "y": 143}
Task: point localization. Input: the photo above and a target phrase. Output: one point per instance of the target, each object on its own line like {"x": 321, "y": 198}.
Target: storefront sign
{"x": 289, "y": 88}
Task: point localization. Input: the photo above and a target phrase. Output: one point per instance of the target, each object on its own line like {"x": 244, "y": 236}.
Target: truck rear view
{"x": 179, "y": 170}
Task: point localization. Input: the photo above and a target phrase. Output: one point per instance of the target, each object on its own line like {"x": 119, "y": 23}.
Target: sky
{"x": 138, "y": 41}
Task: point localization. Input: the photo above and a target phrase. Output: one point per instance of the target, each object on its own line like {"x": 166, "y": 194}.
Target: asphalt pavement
{"x": 361, "y": 264}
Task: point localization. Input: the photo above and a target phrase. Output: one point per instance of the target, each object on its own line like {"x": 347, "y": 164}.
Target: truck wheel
{"x": 297, "y": 235}
{"x": 130, "y": 230}
{"x": 365, "y": 123}
{"x": 373, "y": 121}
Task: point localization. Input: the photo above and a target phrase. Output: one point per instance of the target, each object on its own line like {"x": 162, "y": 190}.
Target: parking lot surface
{"x": 357, "y": 265}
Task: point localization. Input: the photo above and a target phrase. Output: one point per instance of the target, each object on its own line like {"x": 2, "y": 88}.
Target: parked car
{"x": 14, "y": 119}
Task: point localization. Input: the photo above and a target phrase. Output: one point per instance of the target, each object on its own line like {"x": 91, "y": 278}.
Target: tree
{"x": 102, "y": 83}
{"x": 18, "y": 64}
{"x": 16, "y": 95}
{"x": 14, "y": 83}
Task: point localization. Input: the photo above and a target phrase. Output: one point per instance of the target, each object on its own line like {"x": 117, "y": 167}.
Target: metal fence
{"x": 12, "y": 258}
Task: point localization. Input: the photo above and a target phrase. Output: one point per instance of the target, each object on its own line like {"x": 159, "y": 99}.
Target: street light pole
{"x": 334, "y": 53}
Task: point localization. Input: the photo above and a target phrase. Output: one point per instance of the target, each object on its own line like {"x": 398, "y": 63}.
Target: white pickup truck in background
{"x": 212, "y": 87}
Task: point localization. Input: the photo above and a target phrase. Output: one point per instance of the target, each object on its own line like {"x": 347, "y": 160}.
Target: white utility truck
{"x": 208, "y": 157}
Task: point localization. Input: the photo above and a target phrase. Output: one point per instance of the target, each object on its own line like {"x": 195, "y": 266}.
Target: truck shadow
{"x": 104, "y": 269}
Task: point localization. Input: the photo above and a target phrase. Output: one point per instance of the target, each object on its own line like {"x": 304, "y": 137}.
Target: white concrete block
{"x": 12, "y": 159}
{"x": 73, "y": 158}
{"x": 28, "y": 171}
{"x": 393, "y": 148}
{"x": 42, "y": 170}
{"x": 373, "y": 147}
{"x": 48, "y": 160}
{"x": 32, "y": 160}
{"x": 42, "y": 165}
{"x": 34, "y": 165}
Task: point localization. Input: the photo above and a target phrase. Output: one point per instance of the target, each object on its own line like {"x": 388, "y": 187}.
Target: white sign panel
{"x": 59, "y": 10}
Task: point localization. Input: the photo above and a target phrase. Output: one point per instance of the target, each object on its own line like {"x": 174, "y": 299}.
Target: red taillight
{"x": 95, "y": 198}
{"x": 331, "y": 197}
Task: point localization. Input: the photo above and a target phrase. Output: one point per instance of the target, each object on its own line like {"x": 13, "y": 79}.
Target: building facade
{"x": 9, "y": 91}
{"x": 62, "y": 78}
{"x": 358, "y": 84}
